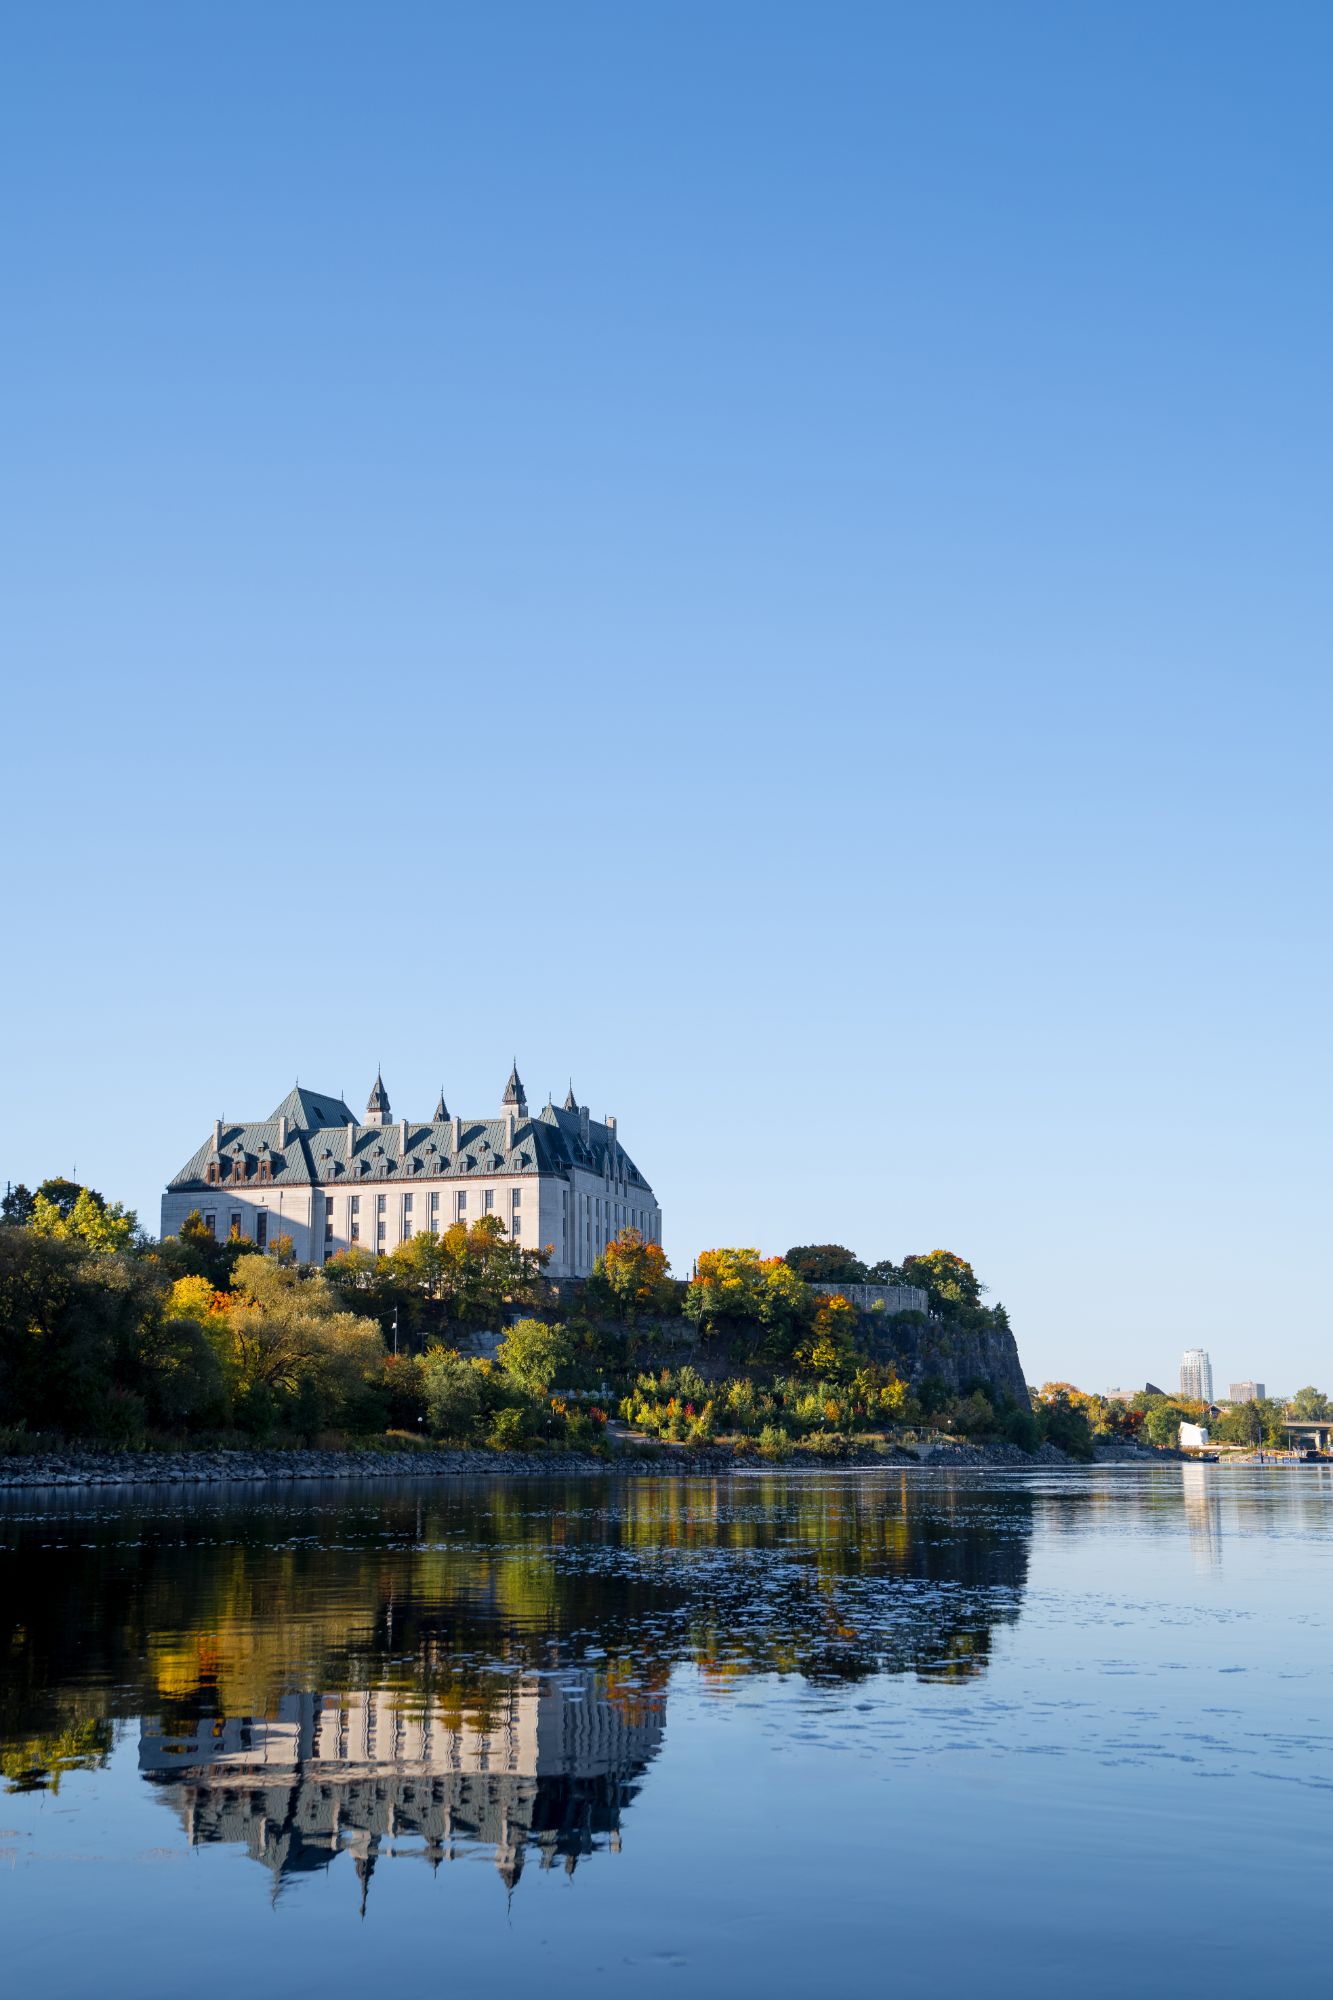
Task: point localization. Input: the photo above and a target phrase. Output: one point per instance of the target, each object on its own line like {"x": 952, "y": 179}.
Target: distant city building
{"x": 312, "y": 1170}
{"x": 1246, "y": 1392}
{"x": 1121, "y": 1395}
{"x": 1196, "y": 1375}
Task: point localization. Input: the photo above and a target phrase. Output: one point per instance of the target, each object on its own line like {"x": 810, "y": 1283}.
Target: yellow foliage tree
{"x": 98, "y": 1225}
{"x": 193, "y": 1298}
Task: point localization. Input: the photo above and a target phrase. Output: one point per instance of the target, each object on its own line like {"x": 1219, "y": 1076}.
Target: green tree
{"x": 195, "y": 1252}
{"x": 16, "y": 1206}
{"x": 950, "y": 1281}
{"x": 1162, "y": 1421}
{"x": 453, "y": 1392}
{"x": 885, "y": 1272}
{"x": 285, "y": 1331}
{"x": 71, "y": 1330}
{"x": 973, "y": 1415}
{"x": 786, "y": 1302}
{"x": 183, "y": 1383}
{"x": 1243, "y": 1423}
{"x": 1311, "y": 1404}
{"x": 826, "y": 1264}
{"x": 532, "y": 1354}
{"x": 828, "y": 1349}
{"x": 1063, "y": 1423}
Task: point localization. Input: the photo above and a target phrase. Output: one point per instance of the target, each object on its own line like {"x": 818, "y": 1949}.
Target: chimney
{"x": 511, "y": 1126}
{"x": 217, "y": 1135}
{"x": 351, "y": 1140}
{"x": 611, "y": 1131}
{"x": 402, "y": 1139}
{"x": 282, "y": 1133}
{"x": 583, "y": 1123}
{"x": 455, "y": 1135}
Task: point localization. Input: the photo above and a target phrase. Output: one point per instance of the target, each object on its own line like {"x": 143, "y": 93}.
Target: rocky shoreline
{"x": 224, "y": 1468}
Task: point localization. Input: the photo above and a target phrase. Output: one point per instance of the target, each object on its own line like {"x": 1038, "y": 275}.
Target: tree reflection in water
{"x": 429, "y": 1671}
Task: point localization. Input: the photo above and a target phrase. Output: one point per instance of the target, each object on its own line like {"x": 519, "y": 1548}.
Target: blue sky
{"x": 770, "y": 558}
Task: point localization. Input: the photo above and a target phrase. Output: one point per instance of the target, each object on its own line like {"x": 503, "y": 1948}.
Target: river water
{"x": 780, "y": 1734}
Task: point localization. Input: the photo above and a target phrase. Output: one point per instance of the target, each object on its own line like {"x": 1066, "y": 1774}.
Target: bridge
{"x": 1308, "y": 1433}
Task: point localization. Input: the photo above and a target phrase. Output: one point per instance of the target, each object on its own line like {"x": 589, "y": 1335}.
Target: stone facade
{"x": 559, "y": 1181}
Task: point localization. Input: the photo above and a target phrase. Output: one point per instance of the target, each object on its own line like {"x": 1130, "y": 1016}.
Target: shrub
{"x": 508, "y": 1431}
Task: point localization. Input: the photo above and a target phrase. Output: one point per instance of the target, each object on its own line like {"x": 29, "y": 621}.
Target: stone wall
{"x": 879, "y": 1298}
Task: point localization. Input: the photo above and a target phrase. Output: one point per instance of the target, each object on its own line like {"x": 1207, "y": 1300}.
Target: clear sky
{"x": 774, "y": 559}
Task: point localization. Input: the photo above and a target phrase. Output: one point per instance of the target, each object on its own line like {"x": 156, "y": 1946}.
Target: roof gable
{"x": 311, "y": 1111}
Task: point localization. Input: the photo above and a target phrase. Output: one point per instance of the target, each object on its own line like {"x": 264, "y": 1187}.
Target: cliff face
{"x": 956, "y": 1356}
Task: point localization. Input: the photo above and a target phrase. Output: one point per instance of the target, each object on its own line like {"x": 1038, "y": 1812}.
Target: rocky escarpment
{"x": 957, "y": 1356}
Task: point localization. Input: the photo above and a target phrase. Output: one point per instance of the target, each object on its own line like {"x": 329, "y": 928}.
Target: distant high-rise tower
{"x": 1196, "y": 1375}
{"x": 1247, "y": 1392}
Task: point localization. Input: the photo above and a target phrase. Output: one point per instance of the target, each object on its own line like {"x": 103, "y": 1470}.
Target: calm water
{"x": 773, "y": 1735}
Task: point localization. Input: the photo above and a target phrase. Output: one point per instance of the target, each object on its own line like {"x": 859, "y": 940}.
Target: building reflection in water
{"x": 443, "y": 1641}
{"x": 548, "y": 1771}
{"x": 1203, "y": 1515}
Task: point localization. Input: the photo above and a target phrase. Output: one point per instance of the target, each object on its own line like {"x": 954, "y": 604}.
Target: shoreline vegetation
{"x": 190, "y": 1348}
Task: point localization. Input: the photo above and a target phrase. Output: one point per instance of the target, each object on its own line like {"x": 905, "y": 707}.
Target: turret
{"x": 515, "y": 1099}
{"x": 377, "y": 1107}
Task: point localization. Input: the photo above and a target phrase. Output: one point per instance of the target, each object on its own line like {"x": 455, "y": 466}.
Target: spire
{"x": 377, "y": 1106}
{"x": 571, "y": 1102}
{"x": 441, "y": 1109}
{"x": 514, "y": 1097}
{"x": 365, "y": 1868}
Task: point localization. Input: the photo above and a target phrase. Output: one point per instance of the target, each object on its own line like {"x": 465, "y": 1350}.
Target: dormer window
{"x": 213, "y": 1173}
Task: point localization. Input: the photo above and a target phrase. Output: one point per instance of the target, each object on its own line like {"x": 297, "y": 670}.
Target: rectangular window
{"x": 234, "y": 1226}
{"x": 434, "y": 1210}
{"x": 488, "y": 1201}
{"x": 261, "y": 1229}
{"x": 460, "y": 1205}
{"x": 381, "y": 1230}
{"x": 381, "y": 1204}
{"x": 407, "y": 1204}
{"x": 407, "y": 1217}
{"x": 211, "y": 1225}
{"x": 328, "y": 1218}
